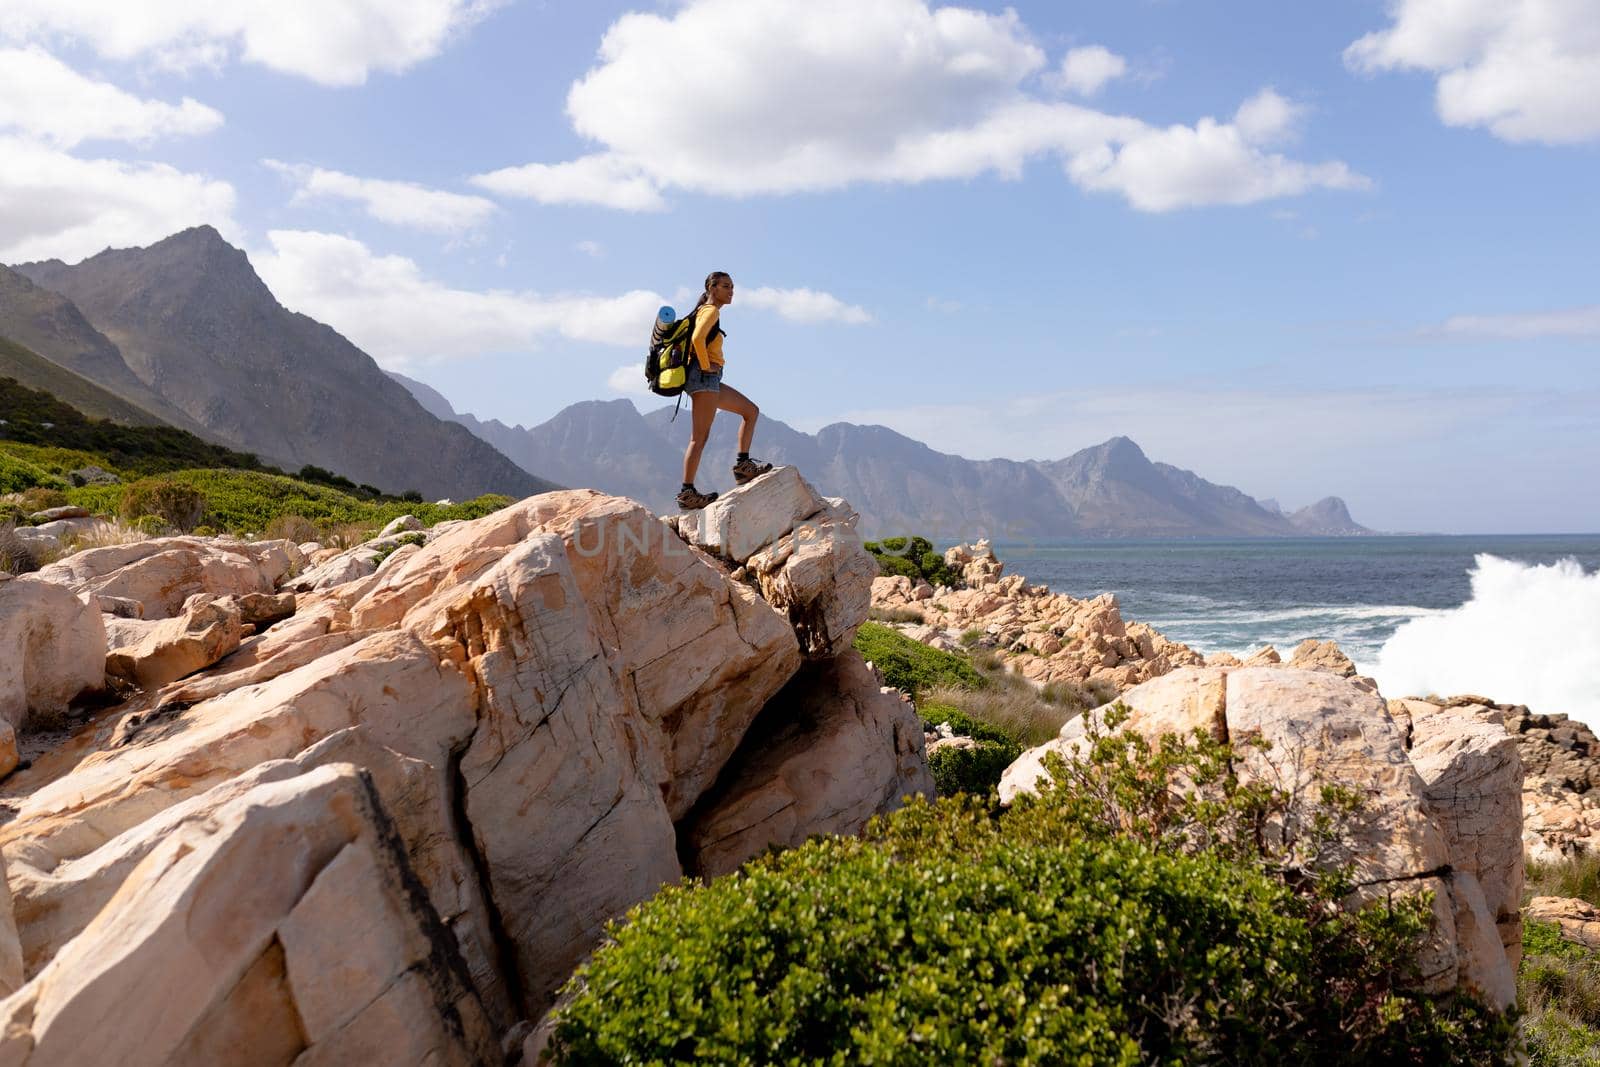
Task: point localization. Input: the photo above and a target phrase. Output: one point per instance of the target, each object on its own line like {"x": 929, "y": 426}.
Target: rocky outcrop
{"x": 541, "y": 703}
{"x": 1442, "y": 816}
{"x": 1044, "y": 636}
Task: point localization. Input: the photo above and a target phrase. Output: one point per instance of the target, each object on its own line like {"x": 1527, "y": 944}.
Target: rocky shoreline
{"x": 498, "y": 735}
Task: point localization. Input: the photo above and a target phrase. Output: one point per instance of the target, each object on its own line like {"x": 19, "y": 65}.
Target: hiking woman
{"x": 707, "y": 394}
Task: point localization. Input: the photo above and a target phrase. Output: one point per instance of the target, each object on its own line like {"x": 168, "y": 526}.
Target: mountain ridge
{"x": 196, "y": 326}
{"x": 899, "y": 484}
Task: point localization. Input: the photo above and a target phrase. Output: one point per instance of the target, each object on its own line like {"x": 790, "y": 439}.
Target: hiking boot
{"x": 748, "y": 470}
{"x": 693, "y": 499}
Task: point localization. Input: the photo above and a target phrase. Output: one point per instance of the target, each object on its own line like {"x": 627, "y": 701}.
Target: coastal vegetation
{"x": 1097, "y": 922}
{"x": 1558, "y": 984}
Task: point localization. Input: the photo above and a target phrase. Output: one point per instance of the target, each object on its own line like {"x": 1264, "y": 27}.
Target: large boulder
{"x": 286, "y": 927}
{"x": 1473, "y": 780}
{"x": 163, "y": 573}
{"x": 813, "y": 763}
{"x": 1321, "y": 728}
{"x": 52, "y": 649}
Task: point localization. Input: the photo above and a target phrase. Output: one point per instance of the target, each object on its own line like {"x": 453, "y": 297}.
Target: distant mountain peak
{"x": 1327, "y": 517}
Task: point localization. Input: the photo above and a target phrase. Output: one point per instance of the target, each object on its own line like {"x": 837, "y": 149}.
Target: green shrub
{"x": 18, "y": 474}
{"x": 1577, "y": 876}
{"x": 910, "y": 665}
{"x": 976, "y": 770}
{"x": 149, "y": 525}
{"x": 1072, "y": 928}
{"x": 175, "y": 503}
{"x": 915, "y": 558}
{"x": 290, "y": 527}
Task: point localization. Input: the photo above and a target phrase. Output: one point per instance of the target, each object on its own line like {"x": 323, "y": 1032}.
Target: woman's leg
{"x": 703, "y": 409}
{"x": 730, "y": 399}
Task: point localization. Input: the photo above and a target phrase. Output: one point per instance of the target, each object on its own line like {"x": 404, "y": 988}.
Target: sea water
{"x": 1515, "y": 618}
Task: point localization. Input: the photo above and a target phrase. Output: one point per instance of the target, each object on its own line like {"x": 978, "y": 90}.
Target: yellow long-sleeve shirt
{"x": 709, "y": 354}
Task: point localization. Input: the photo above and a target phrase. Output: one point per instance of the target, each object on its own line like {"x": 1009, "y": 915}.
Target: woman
{"x": 707, "y": 394}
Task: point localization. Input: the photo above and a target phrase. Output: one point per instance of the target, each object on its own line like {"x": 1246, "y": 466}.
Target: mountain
{"x": 898, "y": 484}
{"x": 195, "y": 325}
{"x": 1328, "y": 517}
{"x": 32, "y": 370}
{"x": 50, "y": 325}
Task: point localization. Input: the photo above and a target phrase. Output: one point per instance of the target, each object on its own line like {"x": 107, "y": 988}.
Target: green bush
{"x": 175, "y": 503}
{"x": 910, "y": 665}
{"x": 975, "y": 770}
{"x": 968, "y": 770}
{"x": 915, "y": 558}
{"x": 18, "y": 474}
{"x": 1071, "y": 928}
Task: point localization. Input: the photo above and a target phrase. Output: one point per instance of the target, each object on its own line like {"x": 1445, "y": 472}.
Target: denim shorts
{"x": 699, "y": 381}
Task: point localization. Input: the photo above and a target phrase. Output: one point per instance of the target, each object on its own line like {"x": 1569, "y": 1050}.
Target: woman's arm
{"x": 704, "y": 319}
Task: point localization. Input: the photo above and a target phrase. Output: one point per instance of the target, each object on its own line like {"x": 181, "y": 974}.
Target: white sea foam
{"x": 1529, "y": 634}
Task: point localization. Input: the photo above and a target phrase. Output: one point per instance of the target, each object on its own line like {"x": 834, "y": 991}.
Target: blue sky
{"x": 1302, "y": 249}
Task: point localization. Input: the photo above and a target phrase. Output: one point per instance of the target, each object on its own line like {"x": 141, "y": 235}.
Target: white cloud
{"x": 1571, "y": 322}
{"x": 1086, "y": 70}
{"x": 42, "y": 97}
{"x": 1529, "y": 70}
{"x": 400, "y": 317}
{"x": 54, "y": 205}
{"x": 628, "y": 380}
{"x": 1211, "y": 162}
{"x": 602, "y": 180}
{"x": 734, "y": 98}
{"x": 592, "y": 249}
{"x": 397, "y": 203}
{"x": 329, "y": 43}
{"x": 804, "y": 305}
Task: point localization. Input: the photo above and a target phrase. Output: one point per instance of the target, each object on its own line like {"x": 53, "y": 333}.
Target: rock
{"x": 401, "y": 525}
{"x": 348, "y": 566}
{"x": 1223, "y": 659}
{"x": 165, "y": 651}
{"x": 820, "y": 577}
{"x": 92, "y": 475}
{"x": 70, "y": 511}
{"x": 265, "y": 609}
{"x": 121, "y": 607}
{"x": 742, "y": 522}
{"x": 1324, "y": 729}
{"x": 1578, "y": 919}
{"x": 1473, "y": 781}
{"x": 1312, "y": 655}
{"x": 52, "y": 650}
{"x": 164, "y": 572}
{"x": 237, "y": 933}
{"x": 11, "y": 976}
{"x": 9, "y": 757}
{"x": 812, "y": 764}
{"x": 1265, "y": 656}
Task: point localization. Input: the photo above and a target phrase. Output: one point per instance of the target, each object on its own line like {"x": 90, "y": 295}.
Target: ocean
{"x": 1513, "y": 617}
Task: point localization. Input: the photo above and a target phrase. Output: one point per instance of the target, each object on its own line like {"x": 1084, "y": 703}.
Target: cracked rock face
{"x": 1419, "y": 830}
{"x": 539, "y": 703}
